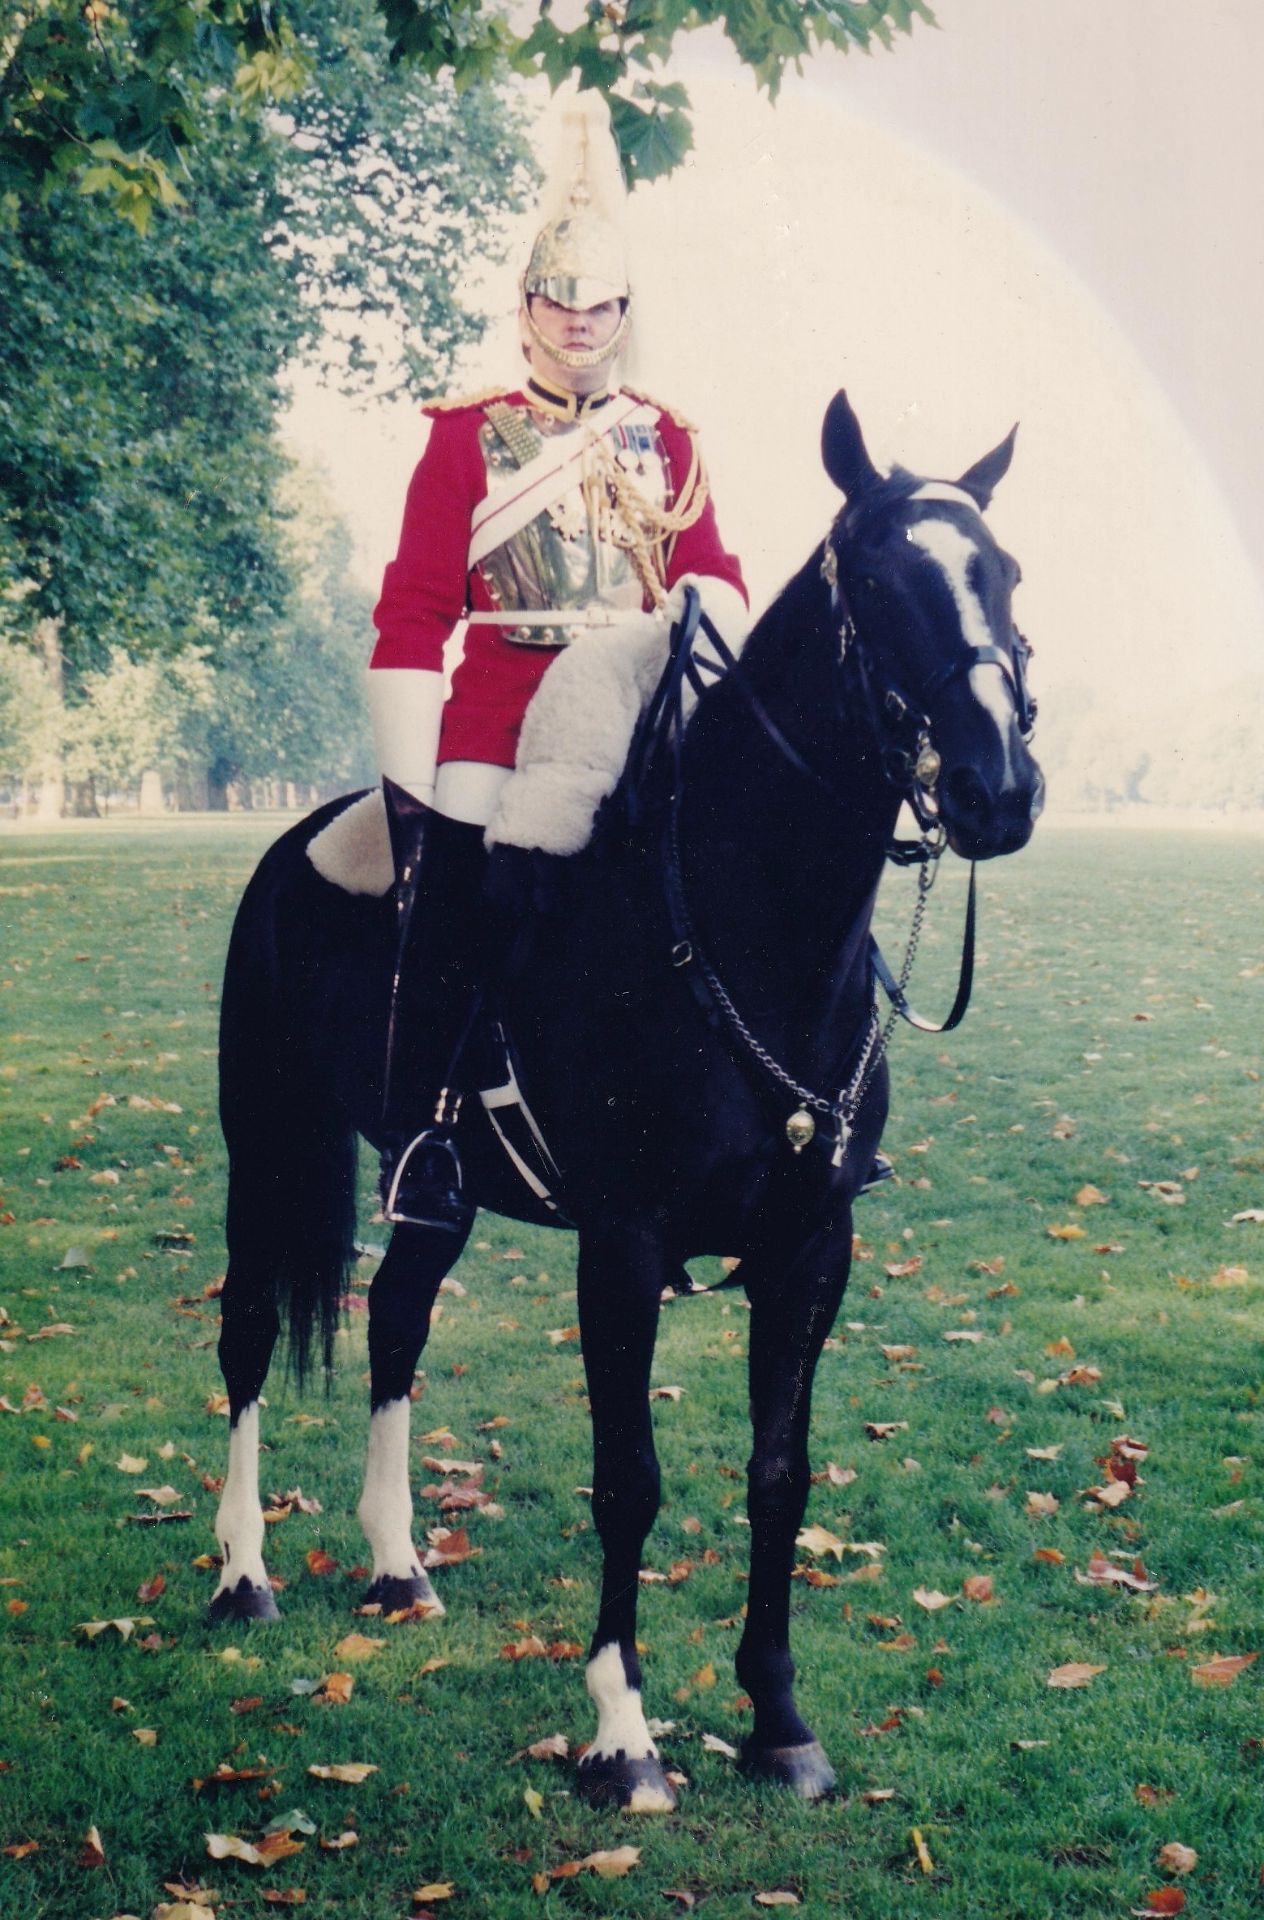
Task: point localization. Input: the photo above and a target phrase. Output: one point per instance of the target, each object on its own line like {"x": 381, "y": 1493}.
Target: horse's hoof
{"x": 804, "y": 1768}
{"x": 397, "y": 1595}
{"x": 243, "y": 1602}
{"x": 634, "y": 1786}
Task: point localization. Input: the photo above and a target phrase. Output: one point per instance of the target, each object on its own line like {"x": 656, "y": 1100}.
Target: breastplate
{"x": 557, "y": 561}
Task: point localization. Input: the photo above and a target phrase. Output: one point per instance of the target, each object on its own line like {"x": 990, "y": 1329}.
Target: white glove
{"x": 723, "y": 606}
{"x": 406, "y": 707}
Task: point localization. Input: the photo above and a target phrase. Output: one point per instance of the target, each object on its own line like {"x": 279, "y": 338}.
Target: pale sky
{"x": 1048, "y": 211}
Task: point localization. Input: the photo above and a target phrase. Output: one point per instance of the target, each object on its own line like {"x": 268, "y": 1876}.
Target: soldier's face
{"x": 573, "y": 330}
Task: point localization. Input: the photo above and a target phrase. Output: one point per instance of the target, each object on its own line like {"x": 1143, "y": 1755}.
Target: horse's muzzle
{"x": 983, "y": 822}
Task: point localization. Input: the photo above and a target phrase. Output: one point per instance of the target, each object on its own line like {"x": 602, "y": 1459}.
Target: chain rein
{"x": 686, "y": 952}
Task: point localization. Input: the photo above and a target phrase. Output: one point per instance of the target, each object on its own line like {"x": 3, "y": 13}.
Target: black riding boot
{"x": 439, "y": 975}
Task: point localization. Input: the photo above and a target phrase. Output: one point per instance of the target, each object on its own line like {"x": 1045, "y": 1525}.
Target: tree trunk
{"x": 49, "y": 782}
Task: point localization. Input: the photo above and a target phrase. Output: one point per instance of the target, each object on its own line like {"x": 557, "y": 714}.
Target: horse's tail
{"x": 291, "y": 1149}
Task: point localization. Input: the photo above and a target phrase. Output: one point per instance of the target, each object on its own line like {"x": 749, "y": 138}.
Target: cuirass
{"x": 557, "y": 560}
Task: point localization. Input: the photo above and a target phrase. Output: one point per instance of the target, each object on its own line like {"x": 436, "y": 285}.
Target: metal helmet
{"x": 577, "y": 258}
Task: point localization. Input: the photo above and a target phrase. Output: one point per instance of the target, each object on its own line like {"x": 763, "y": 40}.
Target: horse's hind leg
{"x": 621, "y": 1278}
{"x": 248, "y": 1334}
{"x": 791, "y": 1313}
{"x": 400, "y": 1298}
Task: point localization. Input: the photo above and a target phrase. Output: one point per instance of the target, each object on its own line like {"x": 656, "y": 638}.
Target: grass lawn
{"x": 1059, "y": 1267}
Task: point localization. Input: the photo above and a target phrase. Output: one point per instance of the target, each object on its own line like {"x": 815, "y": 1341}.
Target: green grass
{"x": 109, "y": 966}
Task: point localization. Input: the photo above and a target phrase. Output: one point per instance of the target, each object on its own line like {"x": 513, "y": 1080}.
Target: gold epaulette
{"x": 673, "y": 413}
{"x": 456, "y": 403}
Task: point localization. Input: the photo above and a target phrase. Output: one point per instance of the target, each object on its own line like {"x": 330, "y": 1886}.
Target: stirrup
{"x": 439, "y": 1200}
{"x": 882, "y": 1169}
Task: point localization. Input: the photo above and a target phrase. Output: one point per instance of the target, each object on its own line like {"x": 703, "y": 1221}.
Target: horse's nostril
{"x": 963, "y": 792}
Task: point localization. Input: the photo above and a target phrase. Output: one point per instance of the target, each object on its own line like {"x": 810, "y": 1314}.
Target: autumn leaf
{"x": 341, "y": 1841}
{"x": 931, "y": 1598}
{"x": 1221, "y": 1672}
{"x": 358, "y": 1646}
{"x": 884, "y": 1429}
{"x": 705, "y": 1676}
{"x": 558, "y": 1336}
{"x": 336, "y": 1688}
{"x": 318, "y": 1561}
{"x": 555, "y": 1746}
{"x": 1167, "y": 1901}
{"x": 1091, "y": 1196}
{"x": 612, "y": 1862}
{"x": 779, "y": 1898}
{"x": 436, "y": 1890}
{"x": 350, "y": 1772}
{"x": 1074, "y": 1674}
{"x": 666, "y": 1393}
{"x": 1042, "y": 1503}
{"x": 1068, "y": 1231}
{"x": 151, "y": 1589}
{"x": 1045, "y": 1453}
{"x": 124, "y": 1628}
{"x": 92, "y": 1853}
{"x": 1174, "y": 1858}
{"x": 131, "y": 1463}
{"x": 1104, "y": 1573}
{"x": 819, "y": 1541}
{"x": 20, "y": 1849}
{"x": 978, "y": 1587}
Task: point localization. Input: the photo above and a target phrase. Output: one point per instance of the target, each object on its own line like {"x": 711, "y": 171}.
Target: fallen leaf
{"x": 147, "y": 1736}
{"x": 533, "y": 1801}
{"x": 612, "y": 1862}
{"x": 336, "y": 1688}
{"x": 1091, "y": 1196}
{"x": 1104, "y": 1573}
{"x": 873, "y": 1796}
{"x": 1069, "y": 1231}
{"x": 1167, "y": 1901}
{"x": 555, "y": 1746}
{"x": 922, "y": 1851}
{"x": 931, "y": 1598}
{"x": 1174, "y": 1858}
{"x": 819, "y": 1540}
{"x": 779, "y": 1898}
{"x": 1074, "y": 1674}
{"x": 20, "y": 1849}
{"x": 530, "y": 1647}
{"x": 339, "y": 1844}
{"x": 978, "y": 1586}
{"x": 318, "y": 1561}
{"x": 1042, "y": 1503}
{"x": 358, "y": 1646}
{"x": 436, "y": 1890}
{"x": 666, "y": 1393}
{"x": 884, "y": 1429}
{"x": 92, "y": 1853}
{"x": 1221, "y": 1672}
{"x": 712, "y": 1743}
{"x": 130, "y": 1463}
{"x": 350, "y": 1772}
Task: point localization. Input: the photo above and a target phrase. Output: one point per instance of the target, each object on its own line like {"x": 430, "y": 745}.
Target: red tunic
{"x": 428, "y": 586}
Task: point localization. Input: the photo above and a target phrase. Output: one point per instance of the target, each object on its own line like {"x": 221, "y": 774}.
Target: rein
{"x": 663, "y": 722}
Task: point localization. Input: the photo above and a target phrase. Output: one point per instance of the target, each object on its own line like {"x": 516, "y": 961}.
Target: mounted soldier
{"x": 567, "y": 511}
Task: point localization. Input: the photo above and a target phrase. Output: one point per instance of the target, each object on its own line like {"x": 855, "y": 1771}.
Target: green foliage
{"x": 114, "y": 940}
{"x": 115, "y": 92}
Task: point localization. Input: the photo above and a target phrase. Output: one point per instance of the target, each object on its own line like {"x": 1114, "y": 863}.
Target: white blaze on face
{"x": 952, "y": 552}
{"x": 621, "y": 1726}
{"x": 386, "y": 1504}
{"x": 239, "y": 1524}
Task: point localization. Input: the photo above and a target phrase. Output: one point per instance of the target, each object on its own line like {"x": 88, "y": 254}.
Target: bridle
{"x": 910, "y": 761}
{"x": 901, "y": 715}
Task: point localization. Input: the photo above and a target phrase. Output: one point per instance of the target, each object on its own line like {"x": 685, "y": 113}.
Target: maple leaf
{"x": 819, "y": 1541}
{"x": 1042, "y": 1503}
{"x": 1074, "y": 1674}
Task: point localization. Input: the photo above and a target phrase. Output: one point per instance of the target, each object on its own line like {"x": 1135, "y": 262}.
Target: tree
{"x": 140, "y": 364}
{"x": 107, "y": 86}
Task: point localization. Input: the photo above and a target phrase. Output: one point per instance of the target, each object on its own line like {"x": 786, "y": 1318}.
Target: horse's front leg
{"x": 249, "y": 1328}
{"x": 400, "y": 1298}
{"x": 791, "y": 1314}
{"x": 621, "y": 1278}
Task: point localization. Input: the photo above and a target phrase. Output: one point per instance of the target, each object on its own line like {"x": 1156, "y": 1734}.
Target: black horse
{"x": 695, "y": 989}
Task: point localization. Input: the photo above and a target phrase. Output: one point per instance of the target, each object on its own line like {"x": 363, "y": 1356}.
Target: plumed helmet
{"x": 578, "y": 257}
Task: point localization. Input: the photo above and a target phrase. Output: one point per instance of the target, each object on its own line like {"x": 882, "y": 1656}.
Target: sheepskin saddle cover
{"x": 571, "y": 753}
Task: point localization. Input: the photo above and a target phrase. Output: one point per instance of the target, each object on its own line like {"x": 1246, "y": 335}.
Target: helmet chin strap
{"x": 582, "y": 358}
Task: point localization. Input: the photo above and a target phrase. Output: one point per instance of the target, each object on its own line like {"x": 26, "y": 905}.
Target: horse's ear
{"x": 982, "y": 479}
{"x": 843, "y": 449}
